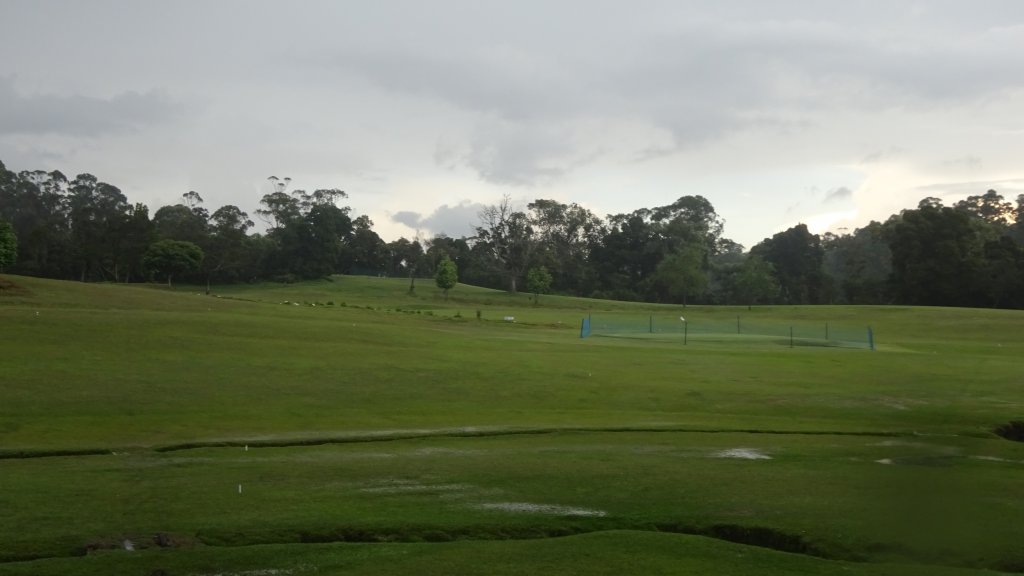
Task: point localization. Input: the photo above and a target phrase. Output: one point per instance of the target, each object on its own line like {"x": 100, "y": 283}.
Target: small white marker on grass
{"x": 239, "y": 488}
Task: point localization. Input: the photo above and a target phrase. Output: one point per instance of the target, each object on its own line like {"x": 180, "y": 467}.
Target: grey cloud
{"x": 711, "y": 78}
{"x": 79, "y": 115}
{"x": 883, "y": 155}
{"x": 511, "y": 83}
{"x": 713, "y": 72}
{"x": 453, "y": 221}
{"x": 410, "y": 219}
{"x": 506, "y": 153}
{"x": 838, "y": 194}
{"x": 967, "y": 162}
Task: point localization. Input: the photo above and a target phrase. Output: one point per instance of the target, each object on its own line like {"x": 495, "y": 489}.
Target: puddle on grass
{"x": 743, "y": 454}
{"x": 263, "y": 572}
{"x": 991, "y": 459}
{"x": 552, "y": 509}
{"x": 415, "y": 487}
{"x": 440, "y": 451}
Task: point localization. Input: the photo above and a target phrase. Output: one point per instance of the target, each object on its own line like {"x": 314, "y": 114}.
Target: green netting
{"x": 736, "y": 331}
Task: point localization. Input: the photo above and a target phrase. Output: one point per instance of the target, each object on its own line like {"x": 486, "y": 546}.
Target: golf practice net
{"x": 735, "y": 330}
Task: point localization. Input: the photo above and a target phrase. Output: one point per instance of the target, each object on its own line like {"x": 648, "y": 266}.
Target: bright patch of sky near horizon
{"x": 778, "y": 112}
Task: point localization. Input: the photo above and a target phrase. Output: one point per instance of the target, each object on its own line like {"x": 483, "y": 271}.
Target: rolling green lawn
{"x": 346, "y": 426}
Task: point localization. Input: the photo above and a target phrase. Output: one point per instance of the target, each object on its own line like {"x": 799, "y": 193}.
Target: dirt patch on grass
{"x": 133, "y": 542}
{"x": 8, "y": 288}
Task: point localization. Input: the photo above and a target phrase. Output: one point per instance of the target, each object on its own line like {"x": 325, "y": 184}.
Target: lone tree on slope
{"x": 538, "y": 281}
{"x": 447, "y": 275}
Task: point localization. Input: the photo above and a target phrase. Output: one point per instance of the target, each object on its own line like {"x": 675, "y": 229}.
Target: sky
{"x": 782, "y": 112}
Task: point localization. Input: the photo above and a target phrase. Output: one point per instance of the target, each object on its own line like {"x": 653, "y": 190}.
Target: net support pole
{"x": 790, "y": 336}
{"x": 737, "y": 324}
{"x": 650, "y": 324}
{"x": 686, "y": 331}
{"x": 871, "y": 339}
{"x": 826, "y": 331}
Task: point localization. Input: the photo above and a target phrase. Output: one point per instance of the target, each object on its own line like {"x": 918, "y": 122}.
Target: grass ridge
{"x": 358, "y": 438}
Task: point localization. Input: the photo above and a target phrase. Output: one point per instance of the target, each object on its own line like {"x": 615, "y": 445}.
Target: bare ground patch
{"x": 9, "y": 288}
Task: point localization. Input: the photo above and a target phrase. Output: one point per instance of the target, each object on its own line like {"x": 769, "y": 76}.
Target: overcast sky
{"x": 826, "y": 113}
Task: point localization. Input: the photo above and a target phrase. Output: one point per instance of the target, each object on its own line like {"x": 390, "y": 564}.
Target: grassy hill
{"x": 273, "y": 416}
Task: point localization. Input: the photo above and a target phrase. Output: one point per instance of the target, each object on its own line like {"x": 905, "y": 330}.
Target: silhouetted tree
{"x": 796, "y": 256}
{"x": 172, "y": 257}
{"x": 8, "y": 245}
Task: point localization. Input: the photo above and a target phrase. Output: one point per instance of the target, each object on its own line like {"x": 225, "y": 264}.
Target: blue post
{"x": 585, "y": 327}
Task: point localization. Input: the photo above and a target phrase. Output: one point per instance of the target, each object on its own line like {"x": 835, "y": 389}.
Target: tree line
{"x": 968, "y": 254}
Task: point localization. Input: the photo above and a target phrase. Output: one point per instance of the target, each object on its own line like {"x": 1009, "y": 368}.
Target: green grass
{"x": 609, "y": 553}
{"x": 452, "y": 444}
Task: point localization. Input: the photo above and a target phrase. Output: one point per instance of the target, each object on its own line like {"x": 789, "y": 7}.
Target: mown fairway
{"x": 378, "y": 432}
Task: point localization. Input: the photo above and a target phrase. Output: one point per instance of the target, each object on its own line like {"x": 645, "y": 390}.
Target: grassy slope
{"x": 127, "y": 366}
{"x": 120, "y": 367}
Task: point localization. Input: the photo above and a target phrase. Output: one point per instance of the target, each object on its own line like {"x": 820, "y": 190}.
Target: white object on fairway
{"x": 239, "y": 488}
{"x": 681, "y": 319}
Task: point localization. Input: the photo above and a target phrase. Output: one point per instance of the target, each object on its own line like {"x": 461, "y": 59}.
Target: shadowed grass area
{"x": 611, "y": 553}
{"x": 437, "y": 426}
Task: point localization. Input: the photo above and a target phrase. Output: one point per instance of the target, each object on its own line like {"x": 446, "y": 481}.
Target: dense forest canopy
{"x": 968, "y": 254}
